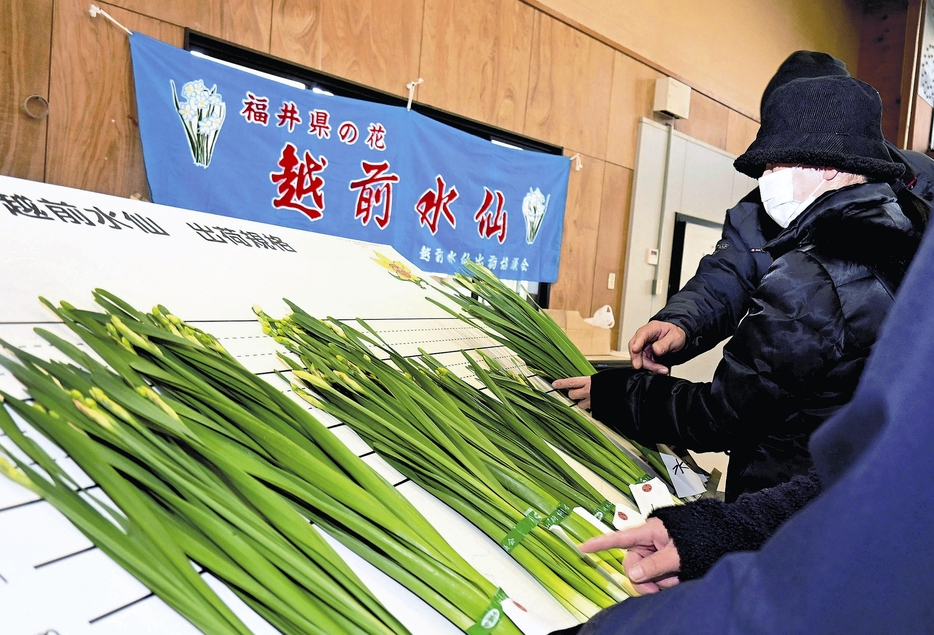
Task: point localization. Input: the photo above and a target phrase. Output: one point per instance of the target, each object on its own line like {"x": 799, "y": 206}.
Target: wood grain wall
{"x": 726, "y": 49}
{"x": 502, "y": 62}
{"x": 25, "y": 43}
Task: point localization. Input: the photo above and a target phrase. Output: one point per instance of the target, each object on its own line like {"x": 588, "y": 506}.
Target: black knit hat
{"x": 828, "y": 122}
{"x": 802, "y": 64}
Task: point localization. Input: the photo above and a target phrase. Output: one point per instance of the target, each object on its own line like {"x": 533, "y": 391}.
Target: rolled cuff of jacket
{"x": 702, "y": 533}
{"x": 705, "y": 530}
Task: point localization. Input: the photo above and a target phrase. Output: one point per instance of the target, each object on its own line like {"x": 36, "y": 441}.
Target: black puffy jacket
{"x": 795, "y": 358}
{"x": 710, "y": 305}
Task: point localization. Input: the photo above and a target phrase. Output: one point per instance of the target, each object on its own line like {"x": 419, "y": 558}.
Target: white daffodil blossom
{"x": 193, "y": 88}
{"x": 534, "y": 206}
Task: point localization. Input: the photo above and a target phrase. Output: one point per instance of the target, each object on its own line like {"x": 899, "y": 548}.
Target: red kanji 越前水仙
{"x": 490, "y": 223}
{"x": 299, "y": 178}
{"x": 374, "y": 190}
{"x": 435, "y": 203}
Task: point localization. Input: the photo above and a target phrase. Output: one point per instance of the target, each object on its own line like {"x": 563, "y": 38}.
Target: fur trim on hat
{"x": 822, "y": 122}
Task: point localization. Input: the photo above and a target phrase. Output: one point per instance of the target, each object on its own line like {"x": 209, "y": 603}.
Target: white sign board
{"x": 210, "y": 270}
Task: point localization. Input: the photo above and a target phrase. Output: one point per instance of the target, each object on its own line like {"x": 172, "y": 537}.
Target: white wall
{"x": 701, "y": 182}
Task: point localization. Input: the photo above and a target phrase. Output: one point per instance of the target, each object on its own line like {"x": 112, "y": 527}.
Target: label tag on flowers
{"x": 491, "y": 615}
{"x": 521, "y": 530}
{"x": 650, "y": 495}
{"x": 592, "y": 519}
{"x": 566, "y": 539}
{"x": 554, "y": 518}
{"x": 524, "y": 620}
{"x": 685, "y": 480}
{"x": 604, "y": 511}
{"x": 626, "y": 517}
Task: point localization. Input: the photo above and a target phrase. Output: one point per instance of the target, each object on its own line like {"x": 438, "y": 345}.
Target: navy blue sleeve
{"x": 711, "y": 304}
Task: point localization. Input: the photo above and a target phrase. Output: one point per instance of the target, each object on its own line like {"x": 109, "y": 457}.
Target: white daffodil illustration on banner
{"x": 534, "y": 206}
{"x": 202, "y": 112}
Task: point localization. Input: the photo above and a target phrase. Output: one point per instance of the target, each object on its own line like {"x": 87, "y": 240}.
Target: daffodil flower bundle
{"x": 500, "y": 313}
{"x": 414, "y": 423}
{"x": 202, "y": 461}
{"x": 565, "y": 427}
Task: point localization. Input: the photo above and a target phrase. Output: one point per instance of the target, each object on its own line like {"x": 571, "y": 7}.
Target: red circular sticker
{"x": 647, "y": 488}
{"x": 622, "y": 516}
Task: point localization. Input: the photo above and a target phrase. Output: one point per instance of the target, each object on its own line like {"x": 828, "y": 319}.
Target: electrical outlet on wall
{"x": 611, "y": 281}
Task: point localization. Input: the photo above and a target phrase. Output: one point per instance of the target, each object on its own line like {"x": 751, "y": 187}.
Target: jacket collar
{"x": 870, "y": 204}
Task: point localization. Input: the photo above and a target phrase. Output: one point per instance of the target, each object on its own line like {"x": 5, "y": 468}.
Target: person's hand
{"x": 654, "y": 340}
{"x": 578, "y": 389}
{"x": 652, "y": 562}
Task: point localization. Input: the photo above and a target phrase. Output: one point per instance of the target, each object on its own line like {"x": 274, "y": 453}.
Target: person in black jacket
{"x": 857, "y": 559}
{"x": 708, "y": 308}
{"x": 711, "y": 304}
{"x": 795, "y": 359}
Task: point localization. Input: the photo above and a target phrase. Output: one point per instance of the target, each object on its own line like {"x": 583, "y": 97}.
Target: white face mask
{"x": 778, "y": 193}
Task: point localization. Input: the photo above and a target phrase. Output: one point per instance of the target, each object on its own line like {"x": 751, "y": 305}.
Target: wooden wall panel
{"x": 475, "y": 59}
{"x": 579, "y": 243}
{"x": 611, "y": 240}
{"x": 371, "y": 42}
{"x": 920, "y": 139}
{"x": 569, "y": 88}
{"x": 728, "y": 49}
{"x": 919, "y": 31}
{"x": 633, "y": 92}
{"x": 25, "y": 43}
{"x": 244, "y": 22}
{"x": 707, "y": 122}
{"x": 882, "y": 47}
{"x": 296, "y": 32}
{"x": 94, "y": 139}
{"x": 740, "y": 132}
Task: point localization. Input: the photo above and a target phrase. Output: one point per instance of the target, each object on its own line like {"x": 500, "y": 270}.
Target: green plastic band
{"x": 554, "y": 518}
{"x": 605, "y": 510}
{"x": 644, "y": 479}
{"x": 521, "y": 530}
{"x": 491, "y": 616}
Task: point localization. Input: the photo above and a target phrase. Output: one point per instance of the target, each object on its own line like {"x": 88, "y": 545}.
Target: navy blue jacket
{"x": 857, "y": 559}
{"x": 796, "y": 357}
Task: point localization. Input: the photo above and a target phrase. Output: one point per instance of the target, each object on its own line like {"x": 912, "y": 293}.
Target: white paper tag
{"x": 650, "y": 496}
{"x": 627, "y": 518}
{"x": 590, "y": 518}
{"x": 524, "y": 620}
{"x": 686, "y": 481}
{"x": 570, "y": 542}
{"x": 558, "y": 530}
{"x": 592, "y": 559}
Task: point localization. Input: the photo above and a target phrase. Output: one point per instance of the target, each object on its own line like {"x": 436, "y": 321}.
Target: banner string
{"x": 96, "y": 11}
{"x": 578, "y": 165}
{"x": 411, "y": 86}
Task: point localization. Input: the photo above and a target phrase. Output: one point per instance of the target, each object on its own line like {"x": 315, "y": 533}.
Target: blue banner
{"x": 222, "y": 140}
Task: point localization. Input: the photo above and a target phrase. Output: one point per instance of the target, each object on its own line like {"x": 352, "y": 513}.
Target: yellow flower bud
{"x": 95, "y": 414}
{"x": 15, "y": 475}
